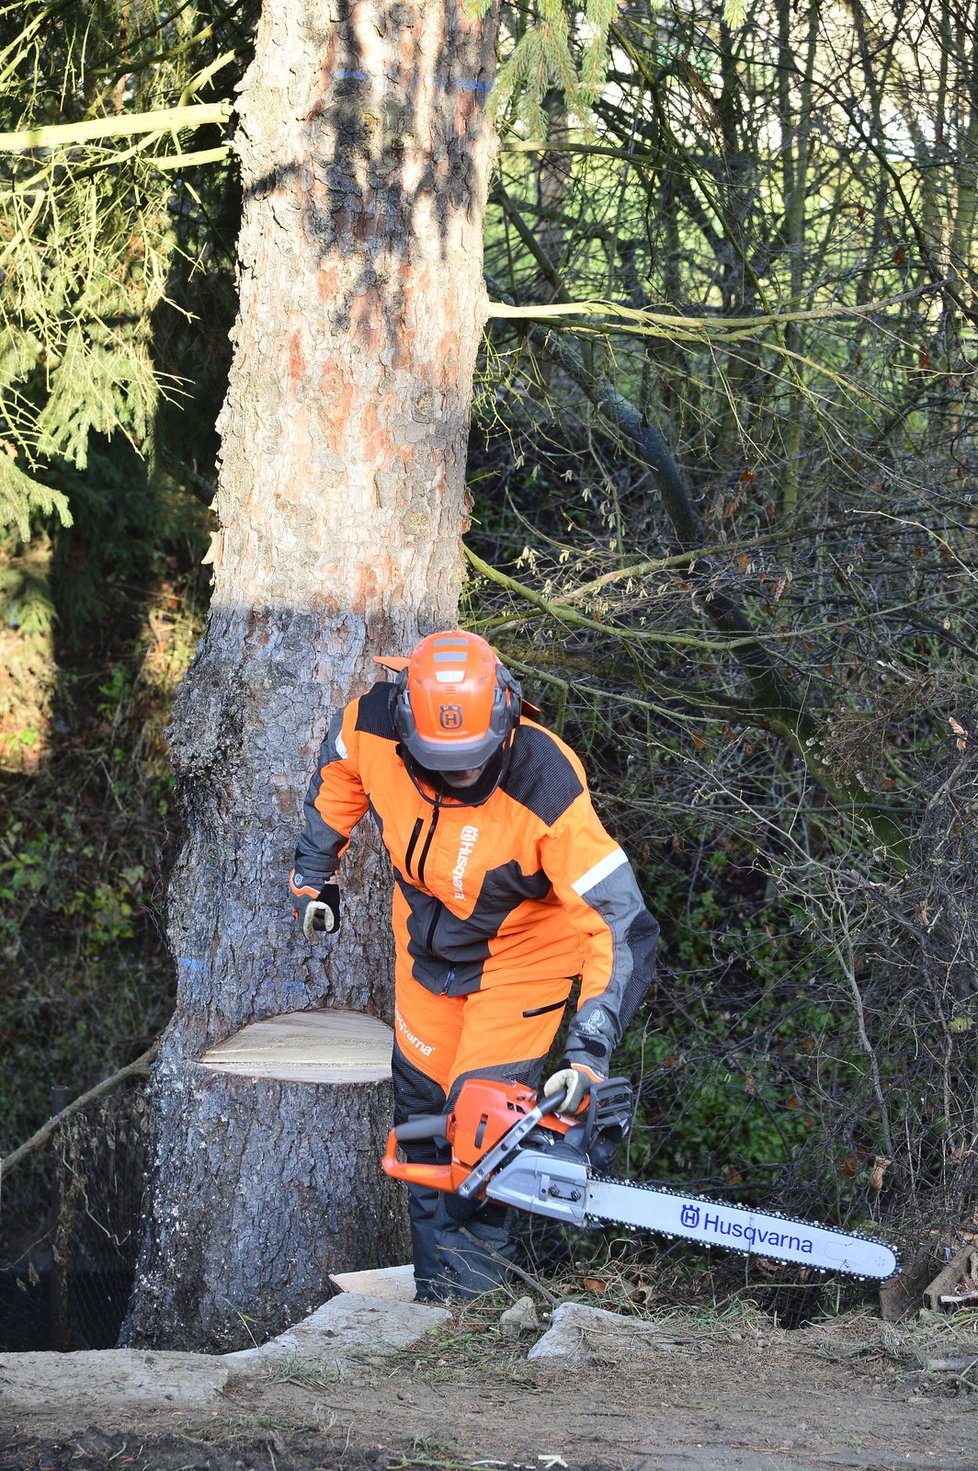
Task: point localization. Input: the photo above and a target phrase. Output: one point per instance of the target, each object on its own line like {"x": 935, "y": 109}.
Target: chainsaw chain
{"x": 704, "y": 1200}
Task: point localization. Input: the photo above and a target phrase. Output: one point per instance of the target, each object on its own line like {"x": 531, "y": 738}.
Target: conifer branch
{"x": 165, "y": 120}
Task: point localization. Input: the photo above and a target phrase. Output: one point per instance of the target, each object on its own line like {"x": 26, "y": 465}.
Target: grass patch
{"x": 309, "y": 1374}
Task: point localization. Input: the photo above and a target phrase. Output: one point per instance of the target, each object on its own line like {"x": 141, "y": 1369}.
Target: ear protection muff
{"x": 507, "y": 685}
{"x": 401, "y": 706}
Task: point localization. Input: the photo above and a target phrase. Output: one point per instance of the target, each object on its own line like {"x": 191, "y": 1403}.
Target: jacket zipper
{"x": 427, "y": 841}
{"x": 429, "y": 938}
{"x": 429, "y": 942}
{"x": 411, "y": 846}
{"x": 413, "y": 841}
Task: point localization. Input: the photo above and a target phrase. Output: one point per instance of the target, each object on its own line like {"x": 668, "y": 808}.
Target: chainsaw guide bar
{"x": 738, "y": 1228}
{"x": 509, "y": 1147}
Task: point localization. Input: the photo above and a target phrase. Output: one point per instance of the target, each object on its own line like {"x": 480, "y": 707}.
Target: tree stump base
{"x": 278, "y": 1184}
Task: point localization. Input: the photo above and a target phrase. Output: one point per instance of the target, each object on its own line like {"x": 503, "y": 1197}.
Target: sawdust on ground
{"x": 740, "y": 1394}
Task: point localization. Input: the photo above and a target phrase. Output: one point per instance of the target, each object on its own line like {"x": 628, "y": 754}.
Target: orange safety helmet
{"x": 455, "y": 704}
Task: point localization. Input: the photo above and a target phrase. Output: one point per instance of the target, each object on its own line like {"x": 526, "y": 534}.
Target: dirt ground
{"x": 737, "y": 1393}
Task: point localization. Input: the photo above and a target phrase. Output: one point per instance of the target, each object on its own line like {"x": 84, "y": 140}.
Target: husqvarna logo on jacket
{"x": 468, "y": 840}
{"x": 425, "y": 1048}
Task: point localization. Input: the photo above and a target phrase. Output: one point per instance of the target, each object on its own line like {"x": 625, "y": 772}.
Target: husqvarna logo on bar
{"x": 712, "y": 1224}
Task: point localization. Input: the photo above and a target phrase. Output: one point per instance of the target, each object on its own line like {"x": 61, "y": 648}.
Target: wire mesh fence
{"x": 69, "y": 1288}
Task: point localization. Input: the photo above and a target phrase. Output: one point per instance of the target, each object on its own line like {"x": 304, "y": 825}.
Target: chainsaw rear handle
{"x": 427, "y": 1126}
{"x": 435, "y": 1125}
{"x": 437, "y": 1177}
{"x": 485, "y": 1112}
{"x": 469, "y": 1180}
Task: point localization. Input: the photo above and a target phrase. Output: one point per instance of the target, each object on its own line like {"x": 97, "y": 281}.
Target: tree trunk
{"x": 341, "y": 505}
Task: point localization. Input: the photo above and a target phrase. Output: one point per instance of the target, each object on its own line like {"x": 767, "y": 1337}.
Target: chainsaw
{"x": 509, "y": 1146}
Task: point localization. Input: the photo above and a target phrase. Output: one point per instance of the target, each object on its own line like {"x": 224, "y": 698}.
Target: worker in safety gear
{"x": 506, "y": 888}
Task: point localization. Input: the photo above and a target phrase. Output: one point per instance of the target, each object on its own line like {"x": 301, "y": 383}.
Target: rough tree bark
{"x": 341, "y": 505}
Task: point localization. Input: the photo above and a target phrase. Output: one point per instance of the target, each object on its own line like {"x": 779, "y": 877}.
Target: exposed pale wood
{"x": 396, "y": 1283}
{"x": 331, "y": 1046}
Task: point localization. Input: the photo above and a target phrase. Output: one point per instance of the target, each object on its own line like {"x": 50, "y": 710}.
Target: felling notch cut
{"x": 332, "y": 1046}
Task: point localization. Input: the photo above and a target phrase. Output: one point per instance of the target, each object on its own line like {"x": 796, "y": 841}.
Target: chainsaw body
{"x": 506, "y": 1145}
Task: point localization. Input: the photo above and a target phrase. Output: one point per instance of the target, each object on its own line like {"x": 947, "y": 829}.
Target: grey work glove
{"x": 320, "y": 916}
{"x": 576, "y": 1082}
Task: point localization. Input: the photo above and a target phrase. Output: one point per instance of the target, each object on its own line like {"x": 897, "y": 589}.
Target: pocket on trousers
{"x": 542, "y": 1010}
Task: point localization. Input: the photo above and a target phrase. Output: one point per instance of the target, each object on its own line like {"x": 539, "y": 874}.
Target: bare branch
{"x": 136, "y": 1069}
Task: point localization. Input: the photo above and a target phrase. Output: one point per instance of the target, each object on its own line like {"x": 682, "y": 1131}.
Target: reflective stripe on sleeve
{"x": 600, "y": 871}
{"x": 340, "y": 746}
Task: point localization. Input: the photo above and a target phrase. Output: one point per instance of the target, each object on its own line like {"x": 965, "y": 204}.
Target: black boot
{"x": 477, "y": 1253}
{"x": 425, "y": 1206}
{"x": 459, "y": 1251}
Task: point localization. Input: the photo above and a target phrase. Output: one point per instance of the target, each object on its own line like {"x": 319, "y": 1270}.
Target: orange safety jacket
{"x": 528, "y": 884}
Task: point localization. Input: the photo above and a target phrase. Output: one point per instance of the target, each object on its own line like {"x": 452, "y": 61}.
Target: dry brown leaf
{"x": 880, "y": 1166}
{"x": 960, "y": 731}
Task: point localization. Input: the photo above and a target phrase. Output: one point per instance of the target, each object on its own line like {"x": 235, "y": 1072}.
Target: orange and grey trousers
{"x": 504, "y": 1031}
